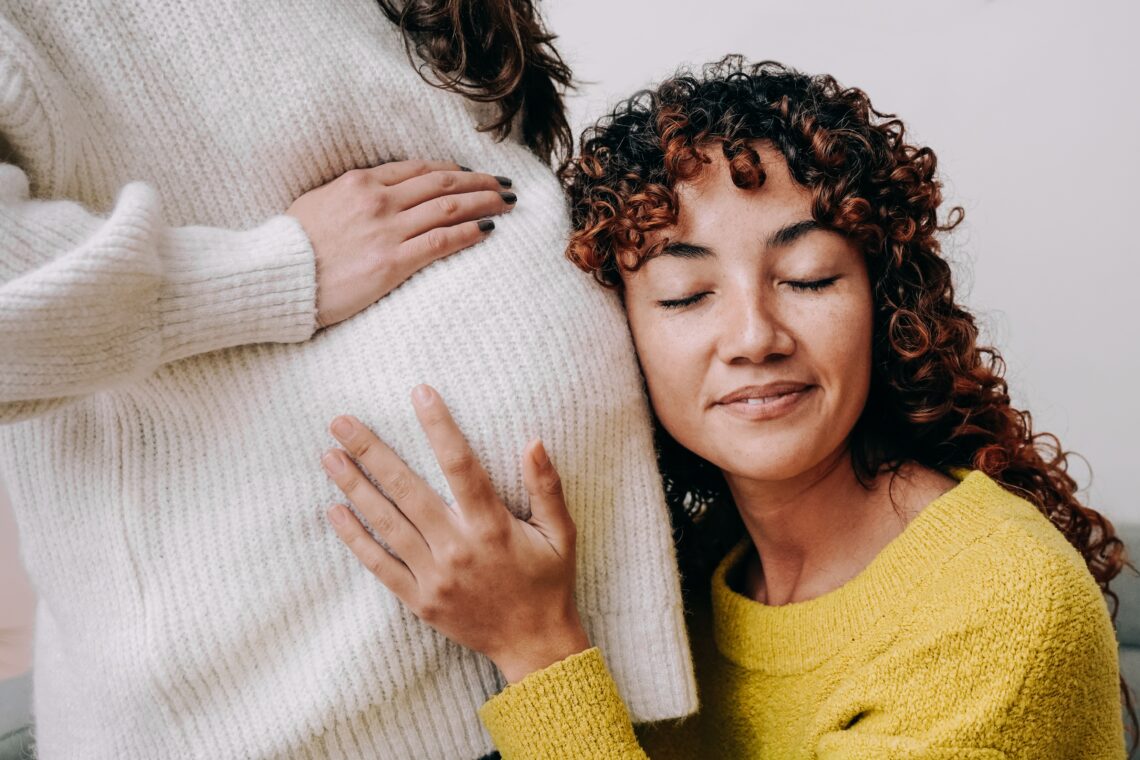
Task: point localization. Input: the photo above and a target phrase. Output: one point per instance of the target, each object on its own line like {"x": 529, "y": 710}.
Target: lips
{"x": 762, "y": 403}
{"x": 755, "y": 395}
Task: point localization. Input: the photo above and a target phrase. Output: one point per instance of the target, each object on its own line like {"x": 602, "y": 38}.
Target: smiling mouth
{"x": 768, "y": 407}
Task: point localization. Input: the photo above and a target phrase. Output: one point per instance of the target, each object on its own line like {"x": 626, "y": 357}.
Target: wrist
{"x": 525, "y": 657}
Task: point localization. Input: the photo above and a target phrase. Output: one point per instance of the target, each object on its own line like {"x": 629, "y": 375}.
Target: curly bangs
{"x": 866, "y": 182}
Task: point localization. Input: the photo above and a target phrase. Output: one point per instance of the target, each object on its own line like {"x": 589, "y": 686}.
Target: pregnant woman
{"x": 213, "y": 239}
{"x": 882, "y": 558}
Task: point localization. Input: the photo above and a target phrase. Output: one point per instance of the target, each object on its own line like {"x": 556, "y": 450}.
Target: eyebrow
{"x": 791, "y": 233}
{"x": 786, "y": 235}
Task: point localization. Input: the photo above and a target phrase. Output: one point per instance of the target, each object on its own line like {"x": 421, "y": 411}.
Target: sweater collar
{"x": 798, "y": 637}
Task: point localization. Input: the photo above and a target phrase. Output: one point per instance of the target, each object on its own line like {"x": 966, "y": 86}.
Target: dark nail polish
{"x": 486, "y": 225}
{"x": 504, "y": 181}
{"x": 464, "y": 169}
{"x": 509, "y": 197}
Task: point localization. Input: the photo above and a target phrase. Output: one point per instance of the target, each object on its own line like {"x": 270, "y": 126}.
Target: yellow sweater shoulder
{"x": 1005, "y": 644}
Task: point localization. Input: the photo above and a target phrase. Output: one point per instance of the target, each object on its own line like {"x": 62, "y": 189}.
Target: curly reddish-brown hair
{"x": 937, "y": 397}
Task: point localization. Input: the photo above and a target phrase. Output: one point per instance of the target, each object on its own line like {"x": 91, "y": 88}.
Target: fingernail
{"x": 486, "y": 225}
{"x": 504, "y": 181}
{"x": 332, "y": 462}
{"x": 540, "y": 457}
{"x": 421, "y": 394}
{"x": 336, "y": 514}
{"x": 341, "y": 427}
{"x": 509, "y": 197}
{"x": 464, "y": 169}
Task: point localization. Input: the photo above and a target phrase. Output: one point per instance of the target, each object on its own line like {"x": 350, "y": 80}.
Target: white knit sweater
{"x": 166, "y": 398}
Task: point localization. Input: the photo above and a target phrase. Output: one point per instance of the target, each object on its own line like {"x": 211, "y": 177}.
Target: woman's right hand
{"x": 371, "y": 229}
{"x": 487, "y": 580}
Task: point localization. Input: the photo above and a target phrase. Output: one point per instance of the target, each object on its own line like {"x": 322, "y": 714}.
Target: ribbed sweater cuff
{"x": 649, "y": 659}
{"x": 570, "y": 709}
{"x": 224, "y": 288}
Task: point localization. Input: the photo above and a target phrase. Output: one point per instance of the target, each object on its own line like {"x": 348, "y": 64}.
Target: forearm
{"x": 87, "y": 303}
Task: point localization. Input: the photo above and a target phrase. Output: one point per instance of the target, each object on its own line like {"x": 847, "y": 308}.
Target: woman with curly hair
{"x": 882, "y": 558}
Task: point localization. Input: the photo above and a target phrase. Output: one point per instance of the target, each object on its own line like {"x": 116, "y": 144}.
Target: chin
{"x": 763, "y": 472}
{"x": 773, "y": 462}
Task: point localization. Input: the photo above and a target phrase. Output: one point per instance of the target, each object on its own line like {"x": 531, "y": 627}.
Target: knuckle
{"x": 384, "y": 524}
{"x": 361, "y": 445}
{"x": 436, "y": 240}
{"x": 381, "y": 201}
{"x": 399, "y": 486}
{"x": 350, "y": 483}
{"x": 354, "y": 540}
{"x": 456, "y": 465}
{"x": 375, "y": 565}
{"x": 417, "y": 166}
{"x": 446, "y": 181}
{"x": 552, "y": 484}
{"x": 355, "y": 179}
{"x": 447, "y": 205}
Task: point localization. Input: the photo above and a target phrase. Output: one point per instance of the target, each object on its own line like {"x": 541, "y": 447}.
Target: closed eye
{"x": 812, "y": 285}
{"x": 680, "y": 303}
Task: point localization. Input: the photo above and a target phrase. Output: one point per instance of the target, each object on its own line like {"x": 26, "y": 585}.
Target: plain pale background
{"x": 1033, "y": 109}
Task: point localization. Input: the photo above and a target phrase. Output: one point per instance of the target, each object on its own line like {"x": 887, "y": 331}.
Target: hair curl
{"x": 937, "y": 397}
{"x": 492, "y": 51}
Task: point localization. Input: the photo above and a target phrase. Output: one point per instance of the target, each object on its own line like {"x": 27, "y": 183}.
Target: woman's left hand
{"x": 473, "y": 571}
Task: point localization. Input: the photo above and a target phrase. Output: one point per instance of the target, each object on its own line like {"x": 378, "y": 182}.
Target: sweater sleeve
{"x": 88, "y": 303}
{"x": 570, "y": 709}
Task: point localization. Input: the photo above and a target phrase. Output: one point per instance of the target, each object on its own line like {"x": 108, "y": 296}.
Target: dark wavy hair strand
{"x": 492, "y": 51}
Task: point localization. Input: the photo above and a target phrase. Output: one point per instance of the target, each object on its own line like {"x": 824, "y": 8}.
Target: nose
{"x": 754, "y": 330}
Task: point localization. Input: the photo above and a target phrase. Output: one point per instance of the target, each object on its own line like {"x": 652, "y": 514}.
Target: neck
{"x": 813, "y": 532}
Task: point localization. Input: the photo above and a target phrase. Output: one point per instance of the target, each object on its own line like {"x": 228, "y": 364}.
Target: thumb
{"x": 548, "y": 511}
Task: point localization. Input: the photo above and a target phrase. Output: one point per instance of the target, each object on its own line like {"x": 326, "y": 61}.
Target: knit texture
{"x": 166, "y": 398}
{"x": 976, "y": 633}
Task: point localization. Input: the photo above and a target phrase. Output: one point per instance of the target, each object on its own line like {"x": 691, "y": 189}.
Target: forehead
{"x": 711, "y": 205}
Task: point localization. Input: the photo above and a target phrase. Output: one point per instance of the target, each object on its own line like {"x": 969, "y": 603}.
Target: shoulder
{"x": 1017, "y": 573}
{"x": 1004, "y": 639}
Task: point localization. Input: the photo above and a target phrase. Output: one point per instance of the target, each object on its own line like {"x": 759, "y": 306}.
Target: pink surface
{"x": 17, "y": 602}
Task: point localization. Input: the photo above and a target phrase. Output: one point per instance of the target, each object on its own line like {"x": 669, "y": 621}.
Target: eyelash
{"x": 812, "y": 286}
{"x": 680, "y": 303}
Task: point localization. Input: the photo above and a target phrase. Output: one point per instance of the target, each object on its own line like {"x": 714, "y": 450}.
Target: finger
{"x": 411, "y": 496}
{"x": 390, "y": 571}
{"x": 424, "y": 187}
{"x": 386, "y": 519}
{"x": 465, "y": 475}
{"x": 444, "y": 241}
{"x": 449, "y": 210}
{"x": 548, "y": 510}
{"x": 395, "y": 172}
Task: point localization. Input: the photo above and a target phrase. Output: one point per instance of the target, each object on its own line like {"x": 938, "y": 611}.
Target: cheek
{"x": 846, "y": 352}
{"x": 669, "y": 362}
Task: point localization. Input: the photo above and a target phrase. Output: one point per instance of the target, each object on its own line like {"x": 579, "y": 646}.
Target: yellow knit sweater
{"x": 977, "y": 633}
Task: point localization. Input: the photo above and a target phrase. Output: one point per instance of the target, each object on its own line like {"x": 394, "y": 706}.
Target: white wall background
{"x": 1034, "y": 111}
